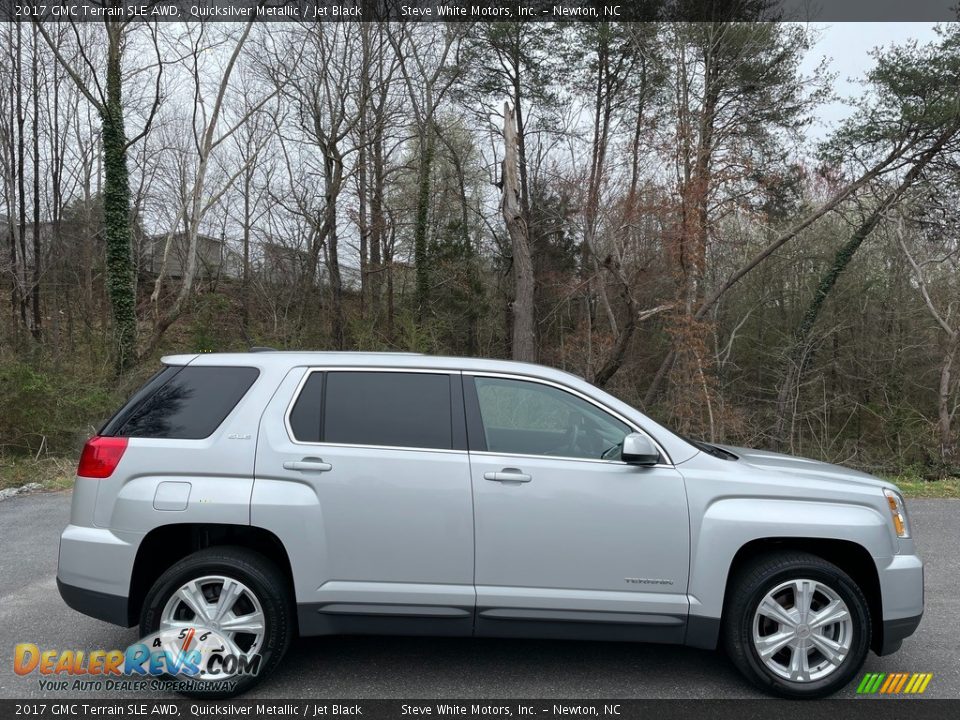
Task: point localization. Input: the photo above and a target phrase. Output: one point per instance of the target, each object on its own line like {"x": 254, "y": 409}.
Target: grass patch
{"x": 919, "y": 488}
{"x": 54, "y": 473}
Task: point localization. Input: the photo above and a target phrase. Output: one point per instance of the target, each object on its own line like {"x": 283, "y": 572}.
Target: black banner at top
{"x": 480, "y": 10}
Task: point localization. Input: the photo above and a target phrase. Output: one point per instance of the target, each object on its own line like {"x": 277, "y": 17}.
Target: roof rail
{"x": 262, "y": 348}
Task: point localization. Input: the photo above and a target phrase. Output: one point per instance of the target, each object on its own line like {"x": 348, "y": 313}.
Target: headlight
{"x": 899, "y": 512}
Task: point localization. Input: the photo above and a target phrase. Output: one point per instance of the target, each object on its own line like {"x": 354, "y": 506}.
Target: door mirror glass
{"x": 638, "y": 449}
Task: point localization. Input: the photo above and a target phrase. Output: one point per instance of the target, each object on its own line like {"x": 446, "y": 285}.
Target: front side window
{"x": 529, "y": 418}
{"x": 394, "y": 409}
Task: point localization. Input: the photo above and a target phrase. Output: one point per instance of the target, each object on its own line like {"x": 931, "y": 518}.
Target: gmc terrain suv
{"x": 269, "y": 494}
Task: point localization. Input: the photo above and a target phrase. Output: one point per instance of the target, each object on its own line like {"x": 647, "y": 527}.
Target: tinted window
{"x": 305, "y": 415}
{"x": 149, "y": 388}
{"x": 191, "y": 404}
{"x": 532, "y": 419}
{"x": 388, "y": 408}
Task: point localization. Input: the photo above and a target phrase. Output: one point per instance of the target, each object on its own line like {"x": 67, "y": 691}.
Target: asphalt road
{"x": 368, "y": 667}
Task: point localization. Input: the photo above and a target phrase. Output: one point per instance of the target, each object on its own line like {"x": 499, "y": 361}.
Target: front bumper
{"x": 901, "y": 587}
{"x": 894, "y": 632}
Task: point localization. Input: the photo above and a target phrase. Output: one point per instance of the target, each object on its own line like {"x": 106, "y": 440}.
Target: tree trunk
{"x": 524, "y": 341}
{"x": 363, "y": 219}
{"x": 521, "y": 138}
{"x": 10, "y": 188}
{"x": 116, "y": 211}
{"x": 363, "y": 177}
{"x": 35, "y": 284}
{"x": 420, "y": 254}
{"x": 21, "y": 277}
{"x": 692, "y": 385}
{"x": 245, "y": 277}
{"x": 377, "y": 226}
{"x": 333, "y": 171}
{"x": 388, "y": 264}
{"x": 948, "y": 443}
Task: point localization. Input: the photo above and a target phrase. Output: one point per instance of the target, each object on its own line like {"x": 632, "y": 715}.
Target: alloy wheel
{"x": 802, "y": 630}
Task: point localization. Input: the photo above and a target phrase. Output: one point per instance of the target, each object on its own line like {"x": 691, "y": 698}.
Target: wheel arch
{"x": 164, "y": 545}
{"x": 851, "y": 557}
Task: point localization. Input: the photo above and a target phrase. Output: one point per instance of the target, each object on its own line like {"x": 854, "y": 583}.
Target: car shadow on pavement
{"x": 411, "y": 667}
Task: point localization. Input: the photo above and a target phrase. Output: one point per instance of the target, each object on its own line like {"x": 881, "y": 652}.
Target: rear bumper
{"x": 109, "y": 608}
{"x": 94, "y": 571}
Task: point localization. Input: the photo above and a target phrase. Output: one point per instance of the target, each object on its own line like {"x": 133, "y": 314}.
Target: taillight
{"x": 100, "y": 456}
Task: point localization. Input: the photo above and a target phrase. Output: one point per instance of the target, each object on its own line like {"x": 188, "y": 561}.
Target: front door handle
{"x": 308, "y": 465}
{"x": 508, "y": 475}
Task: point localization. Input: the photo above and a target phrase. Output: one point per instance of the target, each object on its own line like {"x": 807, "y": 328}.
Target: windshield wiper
{"x": 712, "y": 450}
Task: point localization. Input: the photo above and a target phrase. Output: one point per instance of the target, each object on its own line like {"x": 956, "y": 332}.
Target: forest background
{"x": 652, "y": 206}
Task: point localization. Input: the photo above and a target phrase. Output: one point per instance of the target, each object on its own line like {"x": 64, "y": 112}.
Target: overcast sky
{"x": 848, "y": 46}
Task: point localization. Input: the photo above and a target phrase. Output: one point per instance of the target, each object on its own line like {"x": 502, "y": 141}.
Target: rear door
{"x": 365, "y": 473}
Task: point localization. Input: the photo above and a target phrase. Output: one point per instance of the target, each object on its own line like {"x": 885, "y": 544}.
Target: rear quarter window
{"x": 189, "y": 404}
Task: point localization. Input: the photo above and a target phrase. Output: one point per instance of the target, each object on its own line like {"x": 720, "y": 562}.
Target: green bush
{"x": 50, "y": 410}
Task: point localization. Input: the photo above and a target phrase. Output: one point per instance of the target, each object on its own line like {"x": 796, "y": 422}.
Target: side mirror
{"x": 638, "y": 449}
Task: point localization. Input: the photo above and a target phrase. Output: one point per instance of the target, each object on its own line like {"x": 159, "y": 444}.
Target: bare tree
{"x": 328, "y": 108}
{"x": 524, "y": 337}
{"x": 429, "y": 69}
{"x": 198, "y": 201}
{"x": 107, "y": 98}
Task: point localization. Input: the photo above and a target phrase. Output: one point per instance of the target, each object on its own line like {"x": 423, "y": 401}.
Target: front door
{"x": 365, "y": 478}
{"x": 570, "y": 540}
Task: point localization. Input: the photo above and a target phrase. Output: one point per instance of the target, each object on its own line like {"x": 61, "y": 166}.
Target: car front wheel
{"x": 796, "y": 625}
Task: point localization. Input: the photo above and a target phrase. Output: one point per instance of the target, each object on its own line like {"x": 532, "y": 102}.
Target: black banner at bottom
{"x": 613, "y": 709}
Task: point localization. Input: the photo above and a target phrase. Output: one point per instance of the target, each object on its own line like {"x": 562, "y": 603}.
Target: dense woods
{"x": 640, "y": 204}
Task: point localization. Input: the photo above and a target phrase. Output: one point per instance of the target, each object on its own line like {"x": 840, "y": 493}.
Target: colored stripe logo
{"x": 894, "y": 683}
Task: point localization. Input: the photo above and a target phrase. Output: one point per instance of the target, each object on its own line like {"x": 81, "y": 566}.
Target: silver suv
{"x": 270, "y": 494}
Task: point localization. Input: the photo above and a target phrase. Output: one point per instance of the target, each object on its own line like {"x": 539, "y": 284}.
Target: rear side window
{"x": 188, "y": 404}
{"x": 388, "y": 408}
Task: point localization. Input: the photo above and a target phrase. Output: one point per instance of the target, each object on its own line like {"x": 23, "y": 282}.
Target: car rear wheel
{"x": 796, "y": 625}
{"x": 233, "y": 606}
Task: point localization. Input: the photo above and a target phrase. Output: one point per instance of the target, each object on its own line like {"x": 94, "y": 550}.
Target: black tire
{"x": 748, "y": 588}
{"x": 255, "y": 571}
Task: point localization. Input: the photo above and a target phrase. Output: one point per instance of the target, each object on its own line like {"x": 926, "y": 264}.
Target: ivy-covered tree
{"x": 104, "y": 90}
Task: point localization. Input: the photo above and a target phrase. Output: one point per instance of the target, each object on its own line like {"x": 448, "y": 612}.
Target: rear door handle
{"x": 308, "y": 465}
{"x": 508, "y": 475}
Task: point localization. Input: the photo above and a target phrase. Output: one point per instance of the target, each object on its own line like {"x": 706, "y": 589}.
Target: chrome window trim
{"x": 596, "y": 403}
{"x": 366, "y": 368}
{"x": 565, "y": 458}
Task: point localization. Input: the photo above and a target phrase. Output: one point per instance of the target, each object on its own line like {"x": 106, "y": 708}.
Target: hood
{"x": 804, "y": 467}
